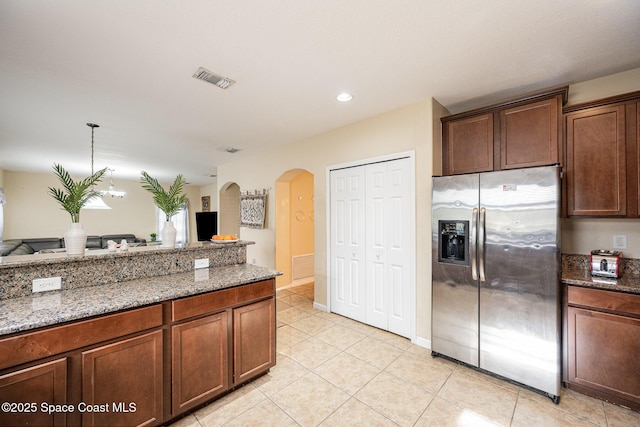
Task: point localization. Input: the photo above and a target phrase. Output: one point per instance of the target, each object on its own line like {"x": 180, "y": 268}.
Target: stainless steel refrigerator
{"x": 496, "y": 274}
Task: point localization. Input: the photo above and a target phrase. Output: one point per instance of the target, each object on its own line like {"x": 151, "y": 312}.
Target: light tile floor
{"x": 333, "y": 371}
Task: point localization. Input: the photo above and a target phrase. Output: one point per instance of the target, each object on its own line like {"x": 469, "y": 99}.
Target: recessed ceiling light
{"x": 344, "y": 97}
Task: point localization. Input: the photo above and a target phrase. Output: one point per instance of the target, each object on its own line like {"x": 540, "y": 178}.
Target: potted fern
{"x": 168, "y": 201}
{"x": 72, "y": 197}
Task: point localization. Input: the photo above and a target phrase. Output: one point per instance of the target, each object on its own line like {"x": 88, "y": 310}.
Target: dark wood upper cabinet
{"x": 529, "y": 134}
{"x": 601, "y": 143}
{"x": 469, "y": 145}
{"x": 596, "y": 162}
{"x": 635, "y": 160}
{"x": 519, "y": 133}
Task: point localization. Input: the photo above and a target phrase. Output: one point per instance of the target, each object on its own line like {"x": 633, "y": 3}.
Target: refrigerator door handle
{"x": 481, "y": 235}
{"x": 472, "y": 244}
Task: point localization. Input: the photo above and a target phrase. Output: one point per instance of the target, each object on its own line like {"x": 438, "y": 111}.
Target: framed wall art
{"x": 206, "y": 203}
{"x": 252, "y": 210}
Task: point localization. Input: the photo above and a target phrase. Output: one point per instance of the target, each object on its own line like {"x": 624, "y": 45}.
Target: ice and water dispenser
{"x": 453, "y": 242}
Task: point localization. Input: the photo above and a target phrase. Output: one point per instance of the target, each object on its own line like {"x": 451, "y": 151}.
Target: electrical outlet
{"x": 201, "y": 263}
{"x": 619, "y": 241}
{"x": 47, "y": 284}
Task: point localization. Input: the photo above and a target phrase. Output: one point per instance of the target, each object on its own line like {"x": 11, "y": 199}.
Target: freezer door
{"x": 454, "y": 291}
{"x": 520, "y": 296}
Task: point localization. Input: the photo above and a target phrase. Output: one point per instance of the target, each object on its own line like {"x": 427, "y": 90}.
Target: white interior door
{"x": 347, "y": 263}
{"x": 372, "y": 248}
{"x": 389, "y": 245}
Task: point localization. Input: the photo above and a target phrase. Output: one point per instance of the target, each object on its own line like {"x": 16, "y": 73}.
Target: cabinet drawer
{"x": 59, "y": 339}
{"x": 201, "y": 304}
{"x": 619, "y": 302}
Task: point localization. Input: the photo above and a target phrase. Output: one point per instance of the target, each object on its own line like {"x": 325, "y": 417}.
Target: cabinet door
{"x": 123, "y": 382}
{"x": 254, "y": 339}
{"x": 44, "y": 383}
{"x": 596, "y": 162}
{"x": 529, "y": 134}
{"x": 637, "y": 156}
{"x": 603, "y": 352}
{"x": 468, "y": 145}
{"x": 200, "y": 364}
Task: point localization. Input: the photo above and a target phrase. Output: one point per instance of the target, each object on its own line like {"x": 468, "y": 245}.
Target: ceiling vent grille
{"x": 230, "y": 150}
{"x": 213, "y": 78}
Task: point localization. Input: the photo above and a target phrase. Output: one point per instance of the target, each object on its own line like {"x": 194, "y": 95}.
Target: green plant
{"x": 153, "y": 236}
{"x": 75, "y": 194}
{"x": 170, "y": 202}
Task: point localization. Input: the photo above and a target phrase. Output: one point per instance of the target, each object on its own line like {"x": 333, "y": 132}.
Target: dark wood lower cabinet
{"x": 603, "y": 344}
{"x": 25, "y": 391}
{"x": 200, "y": 365}
{"x": 207, "y": 344}
{"x": 122, "y": 382}
{"x": 254, "y": 346}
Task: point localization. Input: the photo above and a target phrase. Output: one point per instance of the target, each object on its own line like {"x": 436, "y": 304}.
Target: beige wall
{"x": 294, "y": 221}
{"x": 580, "y": 236}
{"x": 31, "y": 212}
{"x": 210, "y": 190}
{"x": 404, "y": 129}
{"x": 301, "y": 214}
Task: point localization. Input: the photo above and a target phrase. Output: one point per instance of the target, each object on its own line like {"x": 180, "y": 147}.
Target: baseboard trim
{"x": 422, "y": 342}
{"x": 320, "y": 307}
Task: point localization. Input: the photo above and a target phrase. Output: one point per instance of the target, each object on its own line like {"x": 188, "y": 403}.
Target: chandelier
{"x": 112, "y": 189}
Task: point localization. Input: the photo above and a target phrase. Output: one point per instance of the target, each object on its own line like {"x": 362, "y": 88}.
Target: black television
{"x": 206, "y": 225}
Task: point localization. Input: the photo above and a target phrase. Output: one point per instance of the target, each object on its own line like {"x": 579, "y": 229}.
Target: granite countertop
{"x": 54, "y": 307}
{"x": 46, "y": 258}
{"x": 575, "y": 271}
{"x": 582, "y": 277}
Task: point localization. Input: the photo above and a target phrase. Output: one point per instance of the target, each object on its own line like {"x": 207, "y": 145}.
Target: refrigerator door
{"x": 454, "y": 291}
{"x": 520, "y": 296}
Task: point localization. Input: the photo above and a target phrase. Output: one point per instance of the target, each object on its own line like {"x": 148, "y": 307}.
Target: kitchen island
{"x": 131, "y": 352}
{"x": 601, "y": 330}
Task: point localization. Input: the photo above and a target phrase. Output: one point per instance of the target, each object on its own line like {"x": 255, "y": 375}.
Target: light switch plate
{"x": 201, "y": 263}
{"x": 619, "y": 241}
{"x": 47, "y": 284}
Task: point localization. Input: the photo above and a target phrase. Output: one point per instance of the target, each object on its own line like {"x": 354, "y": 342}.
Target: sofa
{"x": 49, "y": 244}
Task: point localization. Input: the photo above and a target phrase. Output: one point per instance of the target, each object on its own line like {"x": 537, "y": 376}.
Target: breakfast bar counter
{"x": 54, "y": 307}
{"x": 139, "y": 337}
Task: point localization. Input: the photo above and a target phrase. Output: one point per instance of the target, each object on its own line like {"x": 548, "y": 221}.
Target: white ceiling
{"x": 128, "y": 65}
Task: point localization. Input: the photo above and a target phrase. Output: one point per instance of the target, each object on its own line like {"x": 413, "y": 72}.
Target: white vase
{"x": 75, "y": 239}
{"x": 168, "y": 235}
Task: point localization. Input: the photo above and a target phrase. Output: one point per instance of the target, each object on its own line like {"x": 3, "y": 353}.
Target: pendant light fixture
{"x": 112, "y": 189}
{"x": 94, "y": 202}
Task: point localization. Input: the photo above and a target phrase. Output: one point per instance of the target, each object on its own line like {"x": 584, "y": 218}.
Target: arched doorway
{"x": 294, "y": 228}
{"x": 229, "y": 209}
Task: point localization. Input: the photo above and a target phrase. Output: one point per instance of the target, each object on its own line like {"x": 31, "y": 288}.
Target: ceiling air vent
{"x": 210, "y": 77}
{"x": 230, "y": 150}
